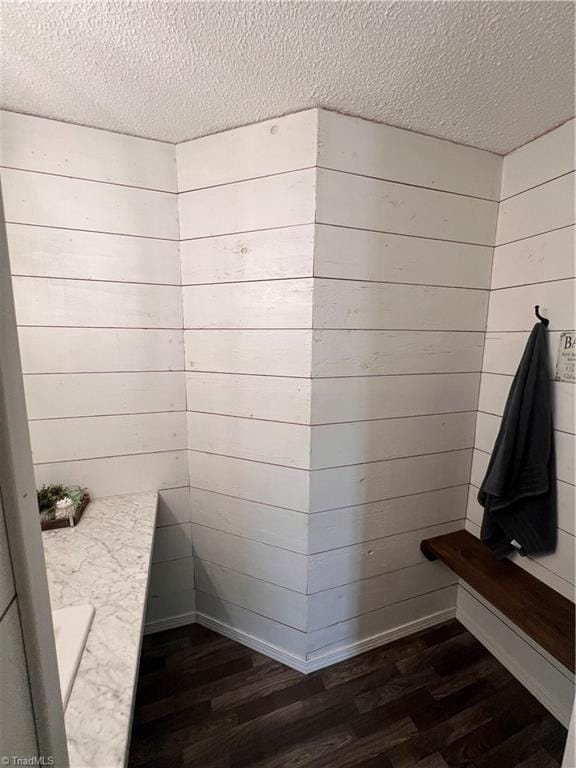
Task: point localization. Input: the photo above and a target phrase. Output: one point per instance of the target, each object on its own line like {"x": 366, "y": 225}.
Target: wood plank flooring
{"x": 437, "y": 699}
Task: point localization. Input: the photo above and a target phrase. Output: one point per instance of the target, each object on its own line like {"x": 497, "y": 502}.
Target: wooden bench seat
{"x": 543, "y": 614}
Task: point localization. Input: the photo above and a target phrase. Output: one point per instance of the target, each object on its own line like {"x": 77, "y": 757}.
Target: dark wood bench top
{"x": 541, "y": 612}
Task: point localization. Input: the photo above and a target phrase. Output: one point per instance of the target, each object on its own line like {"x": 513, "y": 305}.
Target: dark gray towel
{"x": 518, "y": 492}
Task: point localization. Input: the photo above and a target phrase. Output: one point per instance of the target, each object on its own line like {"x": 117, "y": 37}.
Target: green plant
{"x": 48, "y": 495}
{"x": 76, "y": 494}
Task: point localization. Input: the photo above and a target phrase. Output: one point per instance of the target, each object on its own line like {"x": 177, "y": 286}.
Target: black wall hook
{"x": 543, "y": 320}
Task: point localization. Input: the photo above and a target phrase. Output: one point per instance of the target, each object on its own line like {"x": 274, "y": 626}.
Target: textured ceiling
{"x": 490, "y": 74}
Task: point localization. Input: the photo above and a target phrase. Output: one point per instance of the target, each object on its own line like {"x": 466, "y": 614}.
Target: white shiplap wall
{"x": 332, "y": 282}
{"x": 92, "y": 222}
{"x": 404, "y": 232}
{"x": 247, "y": 204}
{"x": 533, "y": 264}
{"x": 334, "y": 333}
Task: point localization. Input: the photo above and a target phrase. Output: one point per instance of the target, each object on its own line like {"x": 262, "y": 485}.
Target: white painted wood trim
{"x": 306, "y": 666}
{"x": 316, "y": 662}
{"x": 182, "y": 620}
{"x": 251, "y": 641}
{"x": 542, "y": 684}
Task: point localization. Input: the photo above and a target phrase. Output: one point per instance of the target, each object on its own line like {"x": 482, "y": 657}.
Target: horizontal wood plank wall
{"x": 402, "y": 255}
{"x": 333, "y": 346}
{"x": 545, "y": 677}
{"x": 533, "y": 264}
{"x": 247, "y": 202}
{"x": 92, "y": 222}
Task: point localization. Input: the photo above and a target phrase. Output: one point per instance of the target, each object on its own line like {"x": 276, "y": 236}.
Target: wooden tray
{"x": 63, "y": 522}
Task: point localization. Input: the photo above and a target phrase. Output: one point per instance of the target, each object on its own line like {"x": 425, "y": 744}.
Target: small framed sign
{"x": 566, "y": 360}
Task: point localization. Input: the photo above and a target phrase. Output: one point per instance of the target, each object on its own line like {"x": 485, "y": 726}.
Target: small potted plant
{"x": 49, "y": 495}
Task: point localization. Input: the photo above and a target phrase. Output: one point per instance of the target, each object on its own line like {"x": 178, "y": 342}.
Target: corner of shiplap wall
{"x": 93, "y": 236}
{"x": 533, "y": 264}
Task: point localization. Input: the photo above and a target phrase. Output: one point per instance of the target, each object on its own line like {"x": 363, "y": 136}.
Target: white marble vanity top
{"x": 104, "y": 561}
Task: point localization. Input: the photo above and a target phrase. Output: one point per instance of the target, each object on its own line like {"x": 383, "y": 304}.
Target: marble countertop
{"x": 105, "y": 561}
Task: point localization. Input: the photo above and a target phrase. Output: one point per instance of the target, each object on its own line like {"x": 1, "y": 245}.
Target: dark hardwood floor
{"x": 431, "y": 700}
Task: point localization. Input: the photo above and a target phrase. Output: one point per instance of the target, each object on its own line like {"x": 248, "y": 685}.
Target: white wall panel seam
{"x": 322, "y": 223}
{"x": 308, "y": 328}
{"x": 284, "y": 376}
{"x": 253, "y": 501}
{"x": 199, "y": 559}
{"x": 327, "y": 423}
{"x": 406, "y": 183}
{"x": 499, "y": 416}
{"x": 111, "y": 456}
{"x": 94, "y": 231}
{"x": 386, "y": 605}
{"x": 251, "y": 538}
{"x": 331, "y": 509}
{"x": 106, "y": 328}
{"x": 535, "y": 282}
{"x": 249, "y": 610}
{"x": 316, "y": 277}
{"x": 309, "y": 594}
{"x": 404, "y": 234}
{"x": 568, "y": 533}
{"x": 245, "y": 231}
{"x": 98, "y": 373}
{"x": 87, "y": 178}
{"x": 535, "y": 186}
{"x": 247, "y": 179}
{"x": 338, "y": 466}
{"x": 97, "y": 280}
{"x": 534, "y": 234}
{"x": 109, "y": 415}
{"x": 323, "y": 168}
{"x": 388, "y": 498}
{"x": 456, "y": 519}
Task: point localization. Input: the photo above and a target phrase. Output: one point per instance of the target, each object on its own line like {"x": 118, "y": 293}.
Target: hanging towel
{"x": 518, "y": 492}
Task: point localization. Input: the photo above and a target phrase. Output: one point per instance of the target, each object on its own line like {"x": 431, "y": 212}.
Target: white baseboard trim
{"x": 319, "y": 659}
{"x": 170, "y": 623}
{"x": 273, "y": 651}
{"x": 557, "y": 705}
{"x": 316, "y": 660}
